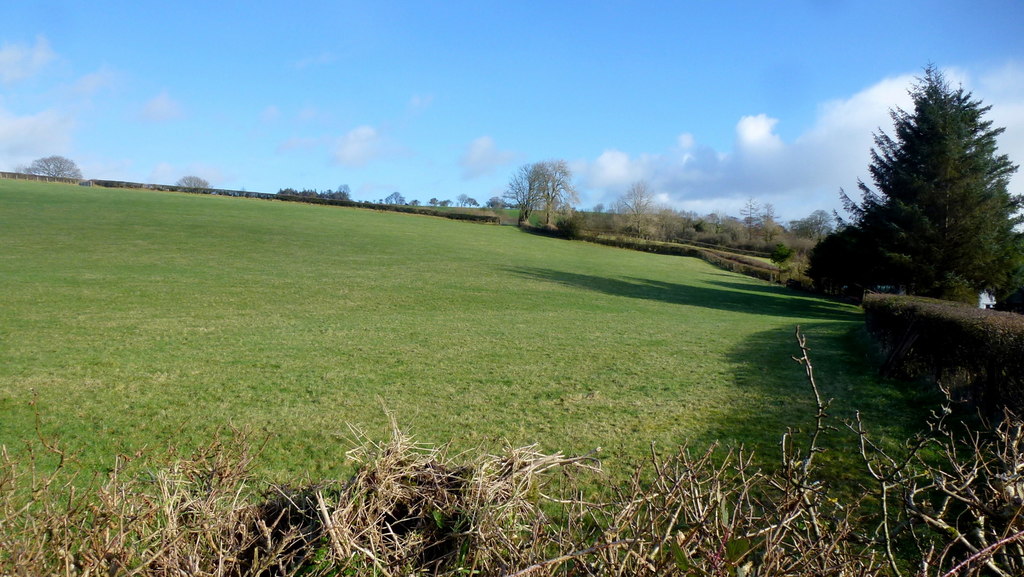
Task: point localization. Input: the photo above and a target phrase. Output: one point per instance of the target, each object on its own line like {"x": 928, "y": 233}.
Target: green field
{"x": 152, "y": 319}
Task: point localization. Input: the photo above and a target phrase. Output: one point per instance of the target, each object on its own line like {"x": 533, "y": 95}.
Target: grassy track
{"x": 151, "y": 319}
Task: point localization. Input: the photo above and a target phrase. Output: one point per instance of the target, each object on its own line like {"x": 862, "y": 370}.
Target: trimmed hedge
{"x": 976, "y": 355}
{"x": 732, "y": 262}
{"x": 473, "y": 217}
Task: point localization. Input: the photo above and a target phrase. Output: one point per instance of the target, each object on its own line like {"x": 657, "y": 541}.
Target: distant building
{"x": 986, "y": 301}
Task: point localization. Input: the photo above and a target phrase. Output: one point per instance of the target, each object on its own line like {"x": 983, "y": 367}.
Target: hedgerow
{"x": 728, "y": 261}
{"x": 481, "y": 217}
{"x": 976, "y": 355}
{"x": 487, "y": 218}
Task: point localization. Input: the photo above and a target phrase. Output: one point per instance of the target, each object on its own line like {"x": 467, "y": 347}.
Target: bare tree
{"x": 556, "y": 190}
{"x": 637, "y": 204}
{"x": 523, "y": 192}
{"x": 394, "y": 198}
{"x": 57, "y": 166}
{"x": 769, "y": 227}
{"x": 751, "y": 215}
{"x": 815, "y": 227}
{"x": 193, "y": 183}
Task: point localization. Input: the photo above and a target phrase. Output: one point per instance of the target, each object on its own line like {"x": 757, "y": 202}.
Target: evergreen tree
{"x": 940, "y": 221}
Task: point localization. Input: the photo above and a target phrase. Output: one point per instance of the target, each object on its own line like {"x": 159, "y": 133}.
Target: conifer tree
{"x": 940, "y": 220}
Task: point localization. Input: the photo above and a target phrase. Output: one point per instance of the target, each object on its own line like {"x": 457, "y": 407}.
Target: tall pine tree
{"x": 940, "y": 221}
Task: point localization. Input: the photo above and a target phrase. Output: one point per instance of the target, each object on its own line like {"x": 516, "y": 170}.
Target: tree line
{"x": 939, "y": 221}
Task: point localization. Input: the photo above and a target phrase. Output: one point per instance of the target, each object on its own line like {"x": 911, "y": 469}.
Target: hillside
{"x": 148, "y": 319}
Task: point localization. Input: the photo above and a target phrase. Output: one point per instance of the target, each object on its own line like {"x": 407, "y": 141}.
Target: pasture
{"x": 137, "y": 319}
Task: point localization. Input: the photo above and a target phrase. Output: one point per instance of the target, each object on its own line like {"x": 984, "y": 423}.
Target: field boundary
{"x": 425, "y": 211}
{"x": 40, "y": 178}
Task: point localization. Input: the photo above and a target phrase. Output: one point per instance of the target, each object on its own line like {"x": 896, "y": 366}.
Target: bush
{"x": 976, "y": 355}
{"x": 570, "y": 225}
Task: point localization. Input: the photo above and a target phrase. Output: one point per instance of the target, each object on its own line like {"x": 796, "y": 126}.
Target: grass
{"x": 147, "y": 319}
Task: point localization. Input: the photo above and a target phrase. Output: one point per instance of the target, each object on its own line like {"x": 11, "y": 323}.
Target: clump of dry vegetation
{"x": 949, "y": 504}
{"x": 408, "y": 509}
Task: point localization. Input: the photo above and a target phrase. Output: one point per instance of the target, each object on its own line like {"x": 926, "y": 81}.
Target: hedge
{"x": 976, "y": 355}
{"x": 484, "y": 218}
{"x": 731, "y": 262}
{"x": 39, "y": 177}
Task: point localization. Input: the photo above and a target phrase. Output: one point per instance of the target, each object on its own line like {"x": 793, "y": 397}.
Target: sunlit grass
{"x": 141, "y": 318}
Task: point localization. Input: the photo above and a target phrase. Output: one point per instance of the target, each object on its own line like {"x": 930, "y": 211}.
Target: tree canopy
{"x": 57, "y": 166}
{"x": 524, "y": 191}
{"x": 637, "y": 204}
{"x": 939, "y": 221}
{"x": 192, "y": 182}
{"x": 543, "y": 186}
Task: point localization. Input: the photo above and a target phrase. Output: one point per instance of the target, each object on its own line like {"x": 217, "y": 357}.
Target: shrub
{"x": 976, "y": 355}
{"x": 570, "y": 225}
{"x": 781, "y": 254}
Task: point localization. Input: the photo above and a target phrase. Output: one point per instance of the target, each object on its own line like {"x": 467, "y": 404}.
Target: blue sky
{"x": 711, "y": 103}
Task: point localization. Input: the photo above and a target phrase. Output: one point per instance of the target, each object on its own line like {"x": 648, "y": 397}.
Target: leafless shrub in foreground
{"x": 955, "y": 496}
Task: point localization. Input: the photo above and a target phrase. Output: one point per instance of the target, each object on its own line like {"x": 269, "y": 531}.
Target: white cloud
{"x": 358, "y": 147}
{"x": 755, "y": 135}
{"x": 25, "y": 138}
{"x": 801, "y": 175}
{"x": 161, "y": 108}
{"x": 483, "y": 157}
{"x": 1003, "y": 89}
{"x": 18, "y": 61}
{"x": 615, "y": 169}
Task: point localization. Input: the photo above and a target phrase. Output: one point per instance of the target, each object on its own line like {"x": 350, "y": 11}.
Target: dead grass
{"x": 408, "y": 509}
{"x": 412, "y": 509}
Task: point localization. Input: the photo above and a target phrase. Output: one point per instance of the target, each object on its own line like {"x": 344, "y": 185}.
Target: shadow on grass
{"x": 774, "y": 396}
{"x": 731, "y": 296}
